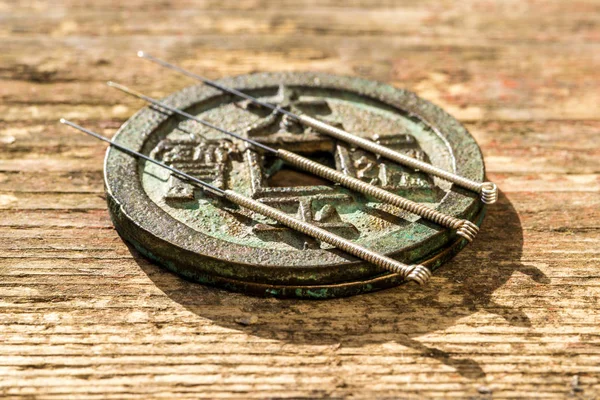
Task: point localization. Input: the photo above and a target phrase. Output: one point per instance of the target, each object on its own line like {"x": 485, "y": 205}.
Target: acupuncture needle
{"x": 464, "y": 228}
{"x": 487, "y": 190}
{"x": 417, "y": 273}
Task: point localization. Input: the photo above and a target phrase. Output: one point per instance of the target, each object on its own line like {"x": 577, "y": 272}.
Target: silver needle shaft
{"x": 143, "y": 156}
{"x": 487, "y": 190}
{"x": 464, "y": 228}
{"x": 416, "y": 273}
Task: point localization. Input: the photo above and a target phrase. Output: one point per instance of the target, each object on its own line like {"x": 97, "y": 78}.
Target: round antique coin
{"x": 211, "y": 241}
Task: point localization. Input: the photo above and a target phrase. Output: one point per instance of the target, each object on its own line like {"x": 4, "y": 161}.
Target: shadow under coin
{"x": 462, "y": 286}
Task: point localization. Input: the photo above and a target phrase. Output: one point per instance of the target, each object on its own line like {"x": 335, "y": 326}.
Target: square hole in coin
{"x": 280, "y": 174}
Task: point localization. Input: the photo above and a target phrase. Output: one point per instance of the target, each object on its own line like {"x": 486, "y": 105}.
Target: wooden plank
{"x": 470, "y": 81}
{"x": 514, "y": 315}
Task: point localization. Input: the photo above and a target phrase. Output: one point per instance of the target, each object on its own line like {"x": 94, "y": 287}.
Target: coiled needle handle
{"x": 415, "y": 273}
{"x": 464, "y": 228}
{"x": 487, "y": 190}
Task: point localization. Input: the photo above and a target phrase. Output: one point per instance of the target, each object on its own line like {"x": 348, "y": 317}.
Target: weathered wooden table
{"x": 516, "y": 314}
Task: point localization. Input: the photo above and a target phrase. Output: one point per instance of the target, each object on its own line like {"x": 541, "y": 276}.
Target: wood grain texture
{"x": 515, "y": 315}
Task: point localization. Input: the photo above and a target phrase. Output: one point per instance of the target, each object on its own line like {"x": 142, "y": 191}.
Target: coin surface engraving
{"x": 210, "y": 240}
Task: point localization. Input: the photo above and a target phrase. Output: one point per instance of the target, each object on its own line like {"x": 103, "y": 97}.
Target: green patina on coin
{"x": 212, "y": 241}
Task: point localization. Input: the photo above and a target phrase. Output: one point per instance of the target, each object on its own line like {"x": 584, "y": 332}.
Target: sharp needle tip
{"x": 63, "y": 121}
{"x": 141, "y": 54}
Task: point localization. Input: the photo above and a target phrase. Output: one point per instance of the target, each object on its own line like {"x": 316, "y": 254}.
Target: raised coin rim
{"x": 160, "y": 236}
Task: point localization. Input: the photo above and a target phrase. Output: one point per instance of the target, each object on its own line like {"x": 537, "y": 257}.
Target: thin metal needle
{"x": 187, "y": 115}
{"x": 416, "y": 273}
{"x": 216, "y": 85}
{"x": 140, "y": 155}
{"x": 464, "y": 228}
{"x": 488, "y": 190}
